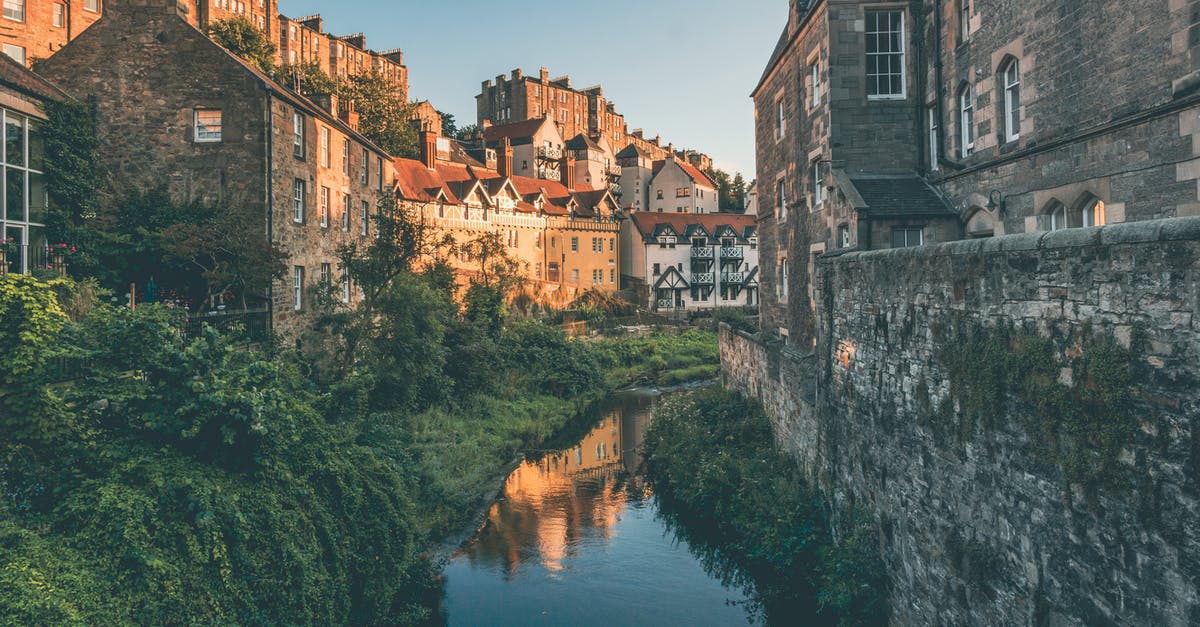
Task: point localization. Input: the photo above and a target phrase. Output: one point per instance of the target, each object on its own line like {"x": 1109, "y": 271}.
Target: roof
{"x": 899, "y": 195}
{"x": 648, "y": 223}
{"x": 692, "y": 173}
{"x": 418, "y": 183}
{"x": 783, "y": 44}
{"x": 582, "y": 142}
{"x": 518, "y": 133}
{"x": 18, "y": 77}
{"x": 632, "y": 150}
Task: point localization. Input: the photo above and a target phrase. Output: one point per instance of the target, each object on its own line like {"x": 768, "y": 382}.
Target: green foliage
{"x": 30, "y": 321}
{"x": 73, "y": 177}
{"x": 241, "y": 37}
{"x": 308, "y": 79}
{"x": 660, "y": 359}
{"x": 744, "y": 505}
{"x": 449, "y": 126}
{"x": 731, "y": 191}
{"x": 1076, "y": 403}
{"x": 385, "y": 119}
{"x": 735, "y": 317}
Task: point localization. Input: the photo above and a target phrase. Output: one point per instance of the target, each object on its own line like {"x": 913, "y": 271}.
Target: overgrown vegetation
{"x": 747, "y": 511}
{"x": 1075, "y": 403}
{"x": 663, "y": 360}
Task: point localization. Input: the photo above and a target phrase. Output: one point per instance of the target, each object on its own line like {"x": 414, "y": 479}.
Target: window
{"x": 366, "y": 218}
{"x": 966, "y": 121}
{"x": 299, "y": 191}
{"x": 1057, "y": 216}
{"x": 60, "y": 15}
{"x": 366, "y": 171}
{"x": 780, "y": 122}
{"x": 783, "y": 278}
{"x": 1092, "y": 214}
{"x": 574, "y": 244}
{"x": 612, "y": 276}
{"x": 379, "y": 172}
{"x": 298, "y": 288}
{"x": 14, "y": 10}
{"x": 324, "y": 147}
{"x": 659, "y": 196}
{"x": 207, "y": 125}
{"x": 657, "y": 269}
{"x": 885, "y": 54}
{"x": 345, "y": 213}
{"x": 903, "y": 237}
{"x": 575, "y": 276}
{"x": 326, "y": 273}
{"x": 346, "y": 157}
{"x": 1012, "y": 101}
{"x": 814, "y": 83}
{"x": 16, "y": 52}
{"x": 818, "y": 184}
{"x": 844, "y": 236}
{"x": 964, "y": 20}
{"x": 612, "y": 244}
{"x": 298, "y": 135}
{"x": 932, "y": 117}
{"x": 781, "y": 199}
{"x": 323, "y": 207}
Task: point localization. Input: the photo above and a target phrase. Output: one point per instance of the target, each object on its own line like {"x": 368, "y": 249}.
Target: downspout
{"x": 270, "y": 193}
{"x": 937, "y": 64}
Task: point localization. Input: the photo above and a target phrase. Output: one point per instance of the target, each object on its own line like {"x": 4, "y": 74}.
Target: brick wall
{"x": 978, "y": 523}
{"x": 38, "y": 34}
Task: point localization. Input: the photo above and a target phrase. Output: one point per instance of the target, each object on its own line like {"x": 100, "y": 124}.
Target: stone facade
{"x": 150, "y": 135}
{"x": 1018, "y": 122}
{"x": 304, "y": 40}
{"x": 982, "y": 523}
{"x": 36, "y": 29}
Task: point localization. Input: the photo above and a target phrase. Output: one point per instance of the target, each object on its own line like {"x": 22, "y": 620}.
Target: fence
{"x": 252, "y": 324}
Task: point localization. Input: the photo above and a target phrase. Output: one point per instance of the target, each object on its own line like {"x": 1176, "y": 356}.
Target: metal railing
{"x": 252, "y": 324}
{"x": 24, "y": 258}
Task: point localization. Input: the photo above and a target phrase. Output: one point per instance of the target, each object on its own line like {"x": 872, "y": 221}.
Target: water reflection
{"x": 576, "y": 539}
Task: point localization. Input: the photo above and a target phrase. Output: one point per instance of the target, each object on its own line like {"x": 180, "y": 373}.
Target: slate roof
{"x": 899, "y": 195}
{"x": 518, "y": 133}
{"x": 582, "y": 142}
{"x": 649, "y": 223}
{"x": 632, "y": 150}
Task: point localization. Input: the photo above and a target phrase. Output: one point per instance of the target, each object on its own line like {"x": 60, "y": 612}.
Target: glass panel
{"x": 37, "y": 146}
{"x": 14, "y": 194}
{"x": 14, "y": 139}
{"x": 16, "y": 235}
{"x": 38, "y": 198}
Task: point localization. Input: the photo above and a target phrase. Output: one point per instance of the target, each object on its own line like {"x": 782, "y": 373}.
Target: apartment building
{"x": 35, "y": 29}
{"x": 678, "y": 261}
{"x": 900, "y": 124}
{"x": 23, "y": 200}
{"x": 177, "y": 109}
{"x": 304, "y": 41}
{"x": 537, "y": 146}
{"x": 519, "y": 98}
{"x": 564, "y": 239}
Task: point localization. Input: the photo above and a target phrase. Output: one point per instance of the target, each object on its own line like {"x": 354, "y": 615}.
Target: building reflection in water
{"x": 553, "y": 505}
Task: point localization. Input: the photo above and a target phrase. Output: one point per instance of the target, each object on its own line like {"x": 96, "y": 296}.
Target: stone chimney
{"x": 545, "y": 75}
{"x": 328, "y": 102}
{"x": 486, "y": 125}
{"x": 144, "y": 10}
{"x": 568, "y": 172}
{"x": 429, "y": 149}
{"x": 349, "y": 115}
{"x": 504, "y": 158}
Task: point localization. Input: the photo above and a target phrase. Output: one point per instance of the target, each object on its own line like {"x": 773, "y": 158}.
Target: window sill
{"x": 897, "y": 98}
{"x": 1010, "y": 146}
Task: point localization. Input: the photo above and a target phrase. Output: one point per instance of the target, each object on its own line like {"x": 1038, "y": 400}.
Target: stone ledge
{"x": 1141, "y": 232}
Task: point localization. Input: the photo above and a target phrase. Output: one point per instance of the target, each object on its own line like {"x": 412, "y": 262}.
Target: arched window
{"x": 1055, "y": 216}
{"x": 966, "y": 120}
{"x": 980, "y": 223}
{"x": 1011, "y": 80}
{"x": 1090, "y": 212}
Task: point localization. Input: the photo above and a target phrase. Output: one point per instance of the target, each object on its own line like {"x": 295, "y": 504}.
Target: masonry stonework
{"x": 975, "y": 525}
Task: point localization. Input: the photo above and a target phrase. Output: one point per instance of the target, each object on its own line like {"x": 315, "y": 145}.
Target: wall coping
{"x": 1141, "y": 232}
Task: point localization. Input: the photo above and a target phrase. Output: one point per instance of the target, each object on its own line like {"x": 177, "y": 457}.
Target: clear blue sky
{"x": 680, "y": 68}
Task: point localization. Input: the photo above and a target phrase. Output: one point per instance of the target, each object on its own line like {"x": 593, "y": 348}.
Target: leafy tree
{"x": 497, "y": 274}
{"x": 241, "y": 37}
{"x": 74, "y": 178}
{"x": 308, "y": 79}
{"x": 468, "y": 131}
{"x": 449, "y": 128}
{"x": 385, "y": 119}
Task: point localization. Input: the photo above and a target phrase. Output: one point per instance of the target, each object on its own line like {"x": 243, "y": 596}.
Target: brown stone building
{"x": 304, "y": 40}
{"x": 175, "y": 108}
{"x": 897, "y": 124}
{"x": 36, "y": 29}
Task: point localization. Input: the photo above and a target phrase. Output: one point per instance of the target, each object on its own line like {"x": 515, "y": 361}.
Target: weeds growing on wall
{"x": 751, "y": 517}
{"x": 1073, "y": 395}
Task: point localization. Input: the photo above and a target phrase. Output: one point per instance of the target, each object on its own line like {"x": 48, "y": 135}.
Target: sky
{"x": 682, "y": 69}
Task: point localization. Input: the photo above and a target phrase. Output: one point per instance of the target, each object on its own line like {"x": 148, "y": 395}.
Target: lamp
{"x": 996, "y": 202}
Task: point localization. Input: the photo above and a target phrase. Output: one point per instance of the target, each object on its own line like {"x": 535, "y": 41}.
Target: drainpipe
{"x": 937, "y": 64}
{"x": 270, "y": 194}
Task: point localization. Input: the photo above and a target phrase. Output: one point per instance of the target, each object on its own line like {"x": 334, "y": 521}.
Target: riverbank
{"x": 743, "y": 505}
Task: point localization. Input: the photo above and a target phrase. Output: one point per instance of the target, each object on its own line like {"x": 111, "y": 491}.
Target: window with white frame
{"x": 780, "y": 121}
{"x": 781, "y": 199}
{"x": 818, "y": 183}
{"x": 966, "y": 121}
{"x": 1056, "y": 217}
{"x": 323, "y": 207}
{"x": 17, "y": 53}
{"x": 885, "y": 54}
{"x": 906, "y": 236}
{"x": 345, "y": 213}
{"x": 14, "y": 10}
{"x": 366, "y": 167}
{"x": 207, "y": 125}
{"x": 814, "y": 82}
{"x": 783, "y": 279}
{"x": 60, "y": 15}
{"x": 964, "y": 20}
{"x": 299, "y": 191}
{"x": 346, "y": 156}
{"x": 345, "y": 288}
{"x": 298, "y": 288}
{"x": 326, "y": 273}
{"x": 931, "y": 117}
{"x": 298, "y": 134}
{"x": 324, "y": 146}
{"x": 1012, "y": 100}
{"x": 1092, "y": 214}
{"x": 365, "y": 226}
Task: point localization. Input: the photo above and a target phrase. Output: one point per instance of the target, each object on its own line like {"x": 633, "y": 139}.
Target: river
{"x": 576, "y": 538}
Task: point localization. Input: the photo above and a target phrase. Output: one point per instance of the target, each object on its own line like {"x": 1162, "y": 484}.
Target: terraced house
{"x": 898, "y": 124}
{"x": 176, "y": 109}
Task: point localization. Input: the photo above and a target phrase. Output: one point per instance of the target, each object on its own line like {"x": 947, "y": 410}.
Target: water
{"x": 576, "y": 539}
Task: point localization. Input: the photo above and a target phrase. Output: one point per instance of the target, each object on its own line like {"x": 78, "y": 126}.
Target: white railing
{"x": 550, "y": 174}
{"x": 549, "y": 152}
{"x": 733, "y": 277}
{"x": 702, "y": 252}
{"x": 734, "y": 252}
{"x": 666, "y": 303}
{"x": 702, "y": 278}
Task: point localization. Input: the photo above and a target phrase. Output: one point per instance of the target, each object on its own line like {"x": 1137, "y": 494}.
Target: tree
{"x": 73, "y": 178}
{"x": 241, "y": 37}
{"x": 385, "y": 119}
{"x": 468, "y": 131}
{"x": 308, "y": 79}
{"x": 488, "y": 290}
{"x": 449, "y": 128}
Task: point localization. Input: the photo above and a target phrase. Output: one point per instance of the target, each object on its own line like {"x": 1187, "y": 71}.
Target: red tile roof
{"x": 418, "y": 183}
{"x": 513, "y": 131}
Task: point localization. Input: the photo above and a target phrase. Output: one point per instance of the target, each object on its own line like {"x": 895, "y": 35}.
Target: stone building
{"x": 36, "y": 29}
{"x": 537, "y": 146}
{"x": 916, "y": 122}
{"x": 675, "y": 262}
{"x": 176, "y": 109}
{"x": 519, "y": 98}
{"x": 23, "y": 199}
{"x": 304, "y": 41}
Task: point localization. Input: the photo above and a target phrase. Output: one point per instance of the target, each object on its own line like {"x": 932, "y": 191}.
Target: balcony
{"x": 666, "y": 303}
{"x": 612, "y": 171}
{"x": 702, "y": 252}
{"x": 552, "y": 153}
{"x": 733, "y": 278}
{"x": 732, "y": 252}
{"x": 614, "y": 189}
{"x": 550, "y": 174}
{"x": 702, "y": 278}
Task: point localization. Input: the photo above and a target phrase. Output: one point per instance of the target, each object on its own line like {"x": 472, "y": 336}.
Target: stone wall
{"x": 986, "y": 522}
